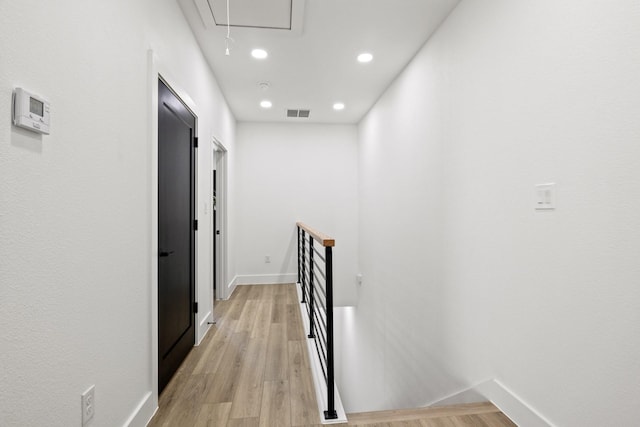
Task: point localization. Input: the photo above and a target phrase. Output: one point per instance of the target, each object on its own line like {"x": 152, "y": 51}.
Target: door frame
{"x": 157, "y": 70}
{"x": 184, "y": 341}
{"x": 219, "y": 154}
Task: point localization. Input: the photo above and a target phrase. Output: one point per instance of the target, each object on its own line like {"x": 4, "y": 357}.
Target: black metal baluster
{"x": 299, "y": 256}
{"x": 311, "y": 300}
{"x": 304, "y": 275}
{"x": 330, "y": 413}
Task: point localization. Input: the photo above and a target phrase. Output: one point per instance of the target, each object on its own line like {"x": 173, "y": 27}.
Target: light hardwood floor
{"x": 469, "y": 415}
{"x": 252, "y": 369}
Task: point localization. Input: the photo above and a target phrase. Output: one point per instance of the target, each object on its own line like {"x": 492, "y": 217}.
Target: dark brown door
{"x": 176, "y": 235}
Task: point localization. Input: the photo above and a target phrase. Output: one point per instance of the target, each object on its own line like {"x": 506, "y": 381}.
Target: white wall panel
{"x": 75, "y": 206}
{"x": 296, "y": 172}
{"x": 507, "y": 95}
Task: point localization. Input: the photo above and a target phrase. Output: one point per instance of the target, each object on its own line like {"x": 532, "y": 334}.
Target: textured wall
{"x": 297, "y": 172}
{"x": 504, "y": 96}
{"x": 75, "y": 206}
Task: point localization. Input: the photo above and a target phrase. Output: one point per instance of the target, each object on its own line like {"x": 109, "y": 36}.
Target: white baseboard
{"x": 205, "y": 319}
{"x": 266, "y": 279}
{"x": 231, "y": 287}
{"x": 512, "y": 405}
{"x": 204, "y": 327}
{"x": 504, "y": 399}
{"x": 143, "y": 412}
{"x": 318, "y": 377}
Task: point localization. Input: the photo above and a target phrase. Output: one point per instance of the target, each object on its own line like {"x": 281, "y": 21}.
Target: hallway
{"x": 252, "y": 369}
{"x": 485, "y": 202}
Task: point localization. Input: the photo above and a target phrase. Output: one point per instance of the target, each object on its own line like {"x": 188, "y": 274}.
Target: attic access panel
{"x": 270, "y": 14}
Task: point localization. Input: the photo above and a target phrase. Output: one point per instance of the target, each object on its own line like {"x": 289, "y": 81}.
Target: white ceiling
{"x": 312, "y": 63}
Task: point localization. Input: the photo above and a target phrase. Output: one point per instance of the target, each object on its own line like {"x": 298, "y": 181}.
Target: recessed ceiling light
{"x": 265, "y": 104}
{"x": 338, "y": 106}
{"x": 259, "y": 53}
{"x": 365, "y": 57}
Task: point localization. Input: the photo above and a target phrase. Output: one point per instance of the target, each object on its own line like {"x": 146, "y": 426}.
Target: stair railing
{"x": 315, "y": 275}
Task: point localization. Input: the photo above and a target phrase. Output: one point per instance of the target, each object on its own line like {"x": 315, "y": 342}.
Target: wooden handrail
{"x": 322, "y": 238}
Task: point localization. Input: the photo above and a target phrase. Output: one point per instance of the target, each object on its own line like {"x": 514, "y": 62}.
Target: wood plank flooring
{"x": 469, "y": 415}
{"x": 252, "y": 369}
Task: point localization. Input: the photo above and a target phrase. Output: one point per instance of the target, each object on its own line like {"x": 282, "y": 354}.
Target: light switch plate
{"x": 545, "y": 196}
{"x": 88, "y": 405}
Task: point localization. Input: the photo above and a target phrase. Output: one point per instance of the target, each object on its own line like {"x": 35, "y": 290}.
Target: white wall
{"x": 456, "y": 261}
{"x": 75, "y": 206}
{"x": 296, "y": 172}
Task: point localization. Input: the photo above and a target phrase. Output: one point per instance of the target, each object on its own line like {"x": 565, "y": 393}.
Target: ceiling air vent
{"x": 298, "y": 113}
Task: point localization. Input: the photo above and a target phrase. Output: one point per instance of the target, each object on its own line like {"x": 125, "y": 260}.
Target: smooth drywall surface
{"x": 296, "y": 172}
{"x": 392, "y": 344}
{"x": 75, "y": 206}
{"x": 459, "y": 269}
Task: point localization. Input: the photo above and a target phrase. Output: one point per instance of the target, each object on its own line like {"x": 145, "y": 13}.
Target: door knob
{"x": 165, "y": 253}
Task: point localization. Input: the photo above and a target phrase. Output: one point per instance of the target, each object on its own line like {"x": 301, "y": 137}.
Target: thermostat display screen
{"x": 36, "y": 107}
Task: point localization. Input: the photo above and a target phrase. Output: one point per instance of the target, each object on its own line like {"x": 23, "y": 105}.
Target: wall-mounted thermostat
{"x": 30, "y": 111}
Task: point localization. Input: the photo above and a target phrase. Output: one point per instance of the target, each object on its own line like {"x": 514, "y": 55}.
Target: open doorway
{"x": 214, "y": 231}
{"x": 219, "y": 221}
